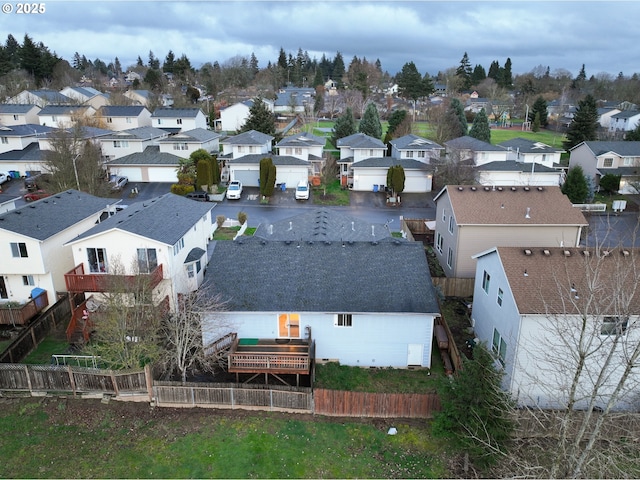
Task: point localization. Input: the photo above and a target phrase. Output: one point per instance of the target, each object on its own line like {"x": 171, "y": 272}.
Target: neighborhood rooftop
{"x": 364, "y": 276}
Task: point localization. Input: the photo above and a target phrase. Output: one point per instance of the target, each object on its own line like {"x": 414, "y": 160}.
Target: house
{"x": 304, "y": 146}
{"x": 471, "y": 219}
{"x": 511, "y": 172}
{"x": 116, "y": 117}
{"x": 7, "y": 202}
{"x": 150, "y": 165}
{"x": 250, "y": 142}
{"x": 165, "y": 238}
{"x": 528, "y": 151}
{"x": 614, "y": 157}
{"x": 623, "y": 122}
{"x": 126, "y": 142}
{"x": 187, "y": 142}
{"x": 353, "y": 149}
{"x": 541, "y": 309}
{"x": 27, "y": 161}
{"x": 475, "y": 103}
{"x": 293, "y": 100}
{"x": 88, "y": 96}
{"x": 41, "y": 98}
{"x": 233, "y": 117}
{"x": 139, "y": 97}
{"x": 342, "y": 292}
{"x": 174, "y": 120}
{"x": 416, "y": 148}
{"x": 64, "y": 116}
{"x": 18, "y": 114}
{"x": 470, "y": 150}
{"x": 33, "y": 248}
{"x": 18, "y": 137}
{"x": 604, "y": 116}
{"x": 289, "y": 170}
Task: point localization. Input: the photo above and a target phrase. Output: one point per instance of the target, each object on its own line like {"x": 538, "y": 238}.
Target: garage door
{"x": 163, "y": 174}
{"x": 134, "y": 174}
{"x": 364, "y": 179}
{"x": 291, "y": 175}
{"x": 248, "y": 178}
{"x": 417, "y": 182}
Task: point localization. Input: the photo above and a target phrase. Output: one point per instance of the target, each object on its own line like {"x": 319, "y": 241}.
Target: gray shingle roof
{"x": 320, "y": 225}
{"x": 360, "y": 140}
{"x": 252, "y": 137}
{"x": 121, "y": 110}
{"x": 304, "y": 139}
{"x": 622, "y": 148}
{"x": 414, "y": 142}
{"x": 164, "y": 219}
{"x": 49, "y": 216}
{"x": 529, "y": 146}
{"x": 195, "y": 135}
{"x": 30, "y": 153}
{"x": 277, "y": 159}
{"x": 626, "y": 114}
{"x": 140, "y": 133}
{"x": 27, "y": 130}
{"x": 16, "y": 107}
{"x": 258, "y": 275}
{"x": 150, "y": 156}
{"x": 382, "y": 162}
{"x": 195, "y": 254}
{"x": 51, "y": 96}
{"x": 62, "y": 110}
{"x": 469, "y": 143}
{"x": 166, "y": 112}
{"x": 513, "y": 166}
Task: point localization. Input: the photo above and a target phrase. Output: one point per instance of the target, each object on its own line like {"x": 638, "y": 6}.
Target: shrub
{"x": 242, "y": 217}
{"x": 181, "y": 189}
{"x": 220, "y": 220}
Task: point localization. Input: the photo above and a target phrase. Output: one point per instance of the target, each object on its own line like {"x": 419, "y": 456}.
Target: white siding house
{"x": 17, "y": 114}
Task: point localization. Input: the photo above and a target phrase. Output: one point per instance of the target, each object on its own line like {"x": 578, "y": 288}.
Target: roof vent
{"x": 486, "y": 189}
{"x": 460, "y": 188}
{"x": 473, "y": 189}
{"x": 546, "y": 252}
{"x": 586, "y": 253}
{"x": 499, "y": 189}
{"x": 513, "y": 189}
{"x": 605, "y": 253}
{"x": 567, "y": 253}
{"x": 288, "y": 242}
{"x": 527, "y": 252}
{"x": 625, "y": 253}
{"x": 540, "y": 189}
{"x": 526, "y": 189}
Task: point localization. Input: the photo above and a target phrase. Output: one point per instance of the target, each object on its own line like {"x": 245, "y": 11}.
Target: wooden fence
{"x": 69, "y": 379}
{"x": 454, "y": 287}
{"x": 385, "y": 405}
{"x": 232, "y": 395}
{"x": 59, "y": 313}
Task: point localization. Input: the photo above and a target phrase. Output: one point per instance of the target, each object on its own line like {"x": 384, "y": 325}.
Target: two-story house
{"x": 33, "y": 250}
{"x": 88, "y": 96}
{"x": 165, "y": 238}
{"x": 126, "y": 142}
{"x": 471, "y": 219}
{"x": 294, "y": 100}
{"x": 356, "y": 148}
{"x": 18, "y": 114}
{"x": 560, "y": 319}
{"x": 233, "y": 117}
{"x": 623, "y": 122}
{"x": 118, "y": 118}
{"x": 64, "y": 116}
{"x": 41, "y": 98}
{"x": 527, "y": 151}
{"x": 615, "y": 157}
{"x": 174, "y": 120}
{"x": 187, "y": 142}
{"x": 18, "y": 137}
{"x": 305, "y": 146}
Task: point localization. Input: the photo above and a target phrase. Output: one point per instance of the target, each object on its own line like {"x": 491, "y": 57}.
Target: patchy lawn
{"x": 228, "y": 233}
{"x": 333, "y": 195}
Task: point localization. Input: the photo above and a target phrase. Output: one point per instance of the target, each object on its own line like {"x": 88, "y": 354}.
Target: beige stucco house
{"x": 472, "y": 218}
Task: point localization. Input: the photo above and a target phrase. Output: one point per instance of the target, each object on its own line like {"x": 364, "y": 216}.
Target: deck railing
{"x": 21, "y": 314}
{"x": 78, "y": 281}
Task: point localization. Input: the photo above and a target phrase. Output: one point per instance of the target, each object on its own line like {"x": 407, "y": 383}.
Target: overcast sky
{"x": 603, "y": 35}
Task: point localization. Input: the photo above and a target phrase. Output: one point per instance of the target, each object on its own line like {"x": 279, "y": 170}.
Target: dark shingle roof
{"x": 195, "y": 254}
{"x": 16, "y": 107}
{"x": 320, "y": 225}
{"x": 252, "y": 137}
{"x": 626, "y": 114}
{"x": 304, "y": 139}
{"x": 139, "y": 133}
{"x": 469, "y": 143}
{"x": 150, "y": 156}
{"x": 195, "y": 135}
{"x": 381, "y": 162}
{"x": 513, "y": 166}
{"x": 30, "y": 153}
{"x": 277, "y": 159}
{"x": 121, "y": 110}
{"x": 414, "y": 142}
{"x": 257, "y": 275}
{"x": 27, "y": 130}
{"x": 62, "y": 110}
{"x": 622, "y": 148}
{"x": 360, "y": 140}
{"x": 529, "y": 146}
{"x": 49, "y": 216}
{"x": 164, "y": 219}
{"x": 167, "y": 112}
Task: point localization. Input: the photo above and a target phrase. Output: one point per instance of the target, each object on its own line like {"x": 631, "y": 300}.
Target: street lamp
{"x": 75, "y": 170}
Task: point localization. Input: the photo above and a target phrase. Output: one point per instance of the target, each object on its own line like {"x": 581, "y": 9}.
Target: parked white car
{"x": 4, "y": 177}
{"x": 234, "y": 190}
{"x": 302, "y": 190}
{"x": 119, "y": 182}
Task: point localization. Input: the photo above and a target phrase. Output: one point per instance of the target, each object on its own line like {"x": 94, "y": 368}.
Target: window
{"x": 608, "y": 162}
{"x": 499, "y": 346}
{"x": 422, "y": 154}
{"x": 288, "y": 151}
{"x": 252, "y": 149}
{"x": 370, "y": 152}
{"x": 190, "y": 271}
{"x": 178, "y": 246}
{"x": 198, "y": 266}
{"x": 500, "y": 294}
{"x": 450, "y": 258}
{"x": 16, "y": 117}
{"x": 19, "y": 250}
{"x": 147, "y": 260}
{"x": 439, "y": 242}
{"x": 444, "y": 215}
{"x": 28, "y": 280}
{"x": 298, "y": 151}
{"x": 240, "y": 149}
{"x": 180, "y": 146}
{"x": 5, "y": 140}
{"x": 120, "y": 143}
{"x": 128, "y": 120}
{"x": 109, "y": 120}
{"x": 451, "y": 224}
{"x": 179, "y": 121}
{"x": 409, "y": 153}
{"x": 486, "y": 280}
{"x": 97, "y": 258}
{"x": 614, "y": 325}
{"x": 344, "y": 320}
{"x": 628, "y": 162}
{"x": 159, "y": 121}
{"x": 289, "y": 325}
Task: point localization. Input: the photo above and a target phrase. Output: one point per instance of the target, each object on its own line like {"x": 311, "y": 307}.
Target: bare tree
{"x": 455, "y": 169}
{"x": 183, "y": 349}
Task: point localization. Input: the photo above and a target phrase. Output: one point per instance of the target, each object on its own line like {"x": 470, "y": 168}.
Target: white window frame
{"x": 178, "y": 246}
{"x": 500, "y": 297}
{"x": 102, "y": 265}
{"x": 19, "y": 250}
{"x": 343, "y": 320}
{"x": 451, "y": 224}
{"x": 439, "y": 242}
{"x": 450, "y": 257}
{"x": 27, "y": 280}
{"x": 499, "y": 346}
{"x": 486, "y": 282}
{"x": 614, "y": 325}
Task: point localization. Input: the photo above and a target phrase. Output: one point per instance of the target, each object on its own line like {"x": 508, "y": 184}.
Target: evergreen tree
{"x": 203, "y": 175}
{"x": 345, "y": 125}
{"x": 495, "y": 72}
{"x": 575, "y": 185}
{"x": 610, "y": 183}
{"x": 475, "y": 413}
{"x": 458, "y": 110}
{"x": 536, "y": 123}
{"x": 411, "y": 85}
{"x": 480, "y": 128}
{"x": 633, "y": 135}
{"x": 117, "y": 66}
{"x": 282, "y": 59}
{"x": 154, "y": 63}
{"x": 5, "y": 61}
{"x": 338, "y": 70}
{"x": 539, "y": 107}
{"x": 169, "y": 62}
{"x": 584, "y": 125}
{"x": 507, "y": 75}
{"x": 267, "y": 176}
{"x": 478, "y": 75}
{"x": 260, "y": 118}
{"x": 370, "y": 123}
{"x": 463, "y": 72}
{"x": 139, "y": 62}
{"x": 580, "y": 79}
{"x": 396, "y": 179}
{"x": 253, "y": 64}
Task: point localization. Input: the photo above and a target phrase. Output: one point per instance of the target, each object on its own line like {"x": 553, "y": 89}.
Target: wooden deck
{"x": 78, "y": 281}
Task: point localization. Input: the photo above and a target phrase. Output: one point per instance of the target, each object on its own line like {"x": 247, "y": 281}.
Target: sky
{"x": 602, "y": 35}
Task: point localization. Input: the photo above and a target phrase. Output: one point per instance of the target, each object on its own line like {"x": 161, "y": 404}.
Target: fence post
{"x": 115, "y": 383}
{"x": 26, "y": 369}
{"x": 73, "y": 383}
{"x": 149, "y": 381}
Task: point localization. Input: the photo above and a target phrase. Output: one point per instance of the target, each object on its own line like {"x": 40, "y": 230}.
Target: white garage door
{"x": 416, "y": 182}
{"x": 249, "y": 178}
{"x": 163, "y": 174}
{"x": 134, "y": 174}
{"x": 365, "y": 179}
{"x": 291, "y": 175}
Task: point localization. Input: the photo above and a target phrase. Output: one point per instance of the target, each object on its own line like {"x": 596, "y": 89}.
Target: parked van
{"x": 302, "y": 190}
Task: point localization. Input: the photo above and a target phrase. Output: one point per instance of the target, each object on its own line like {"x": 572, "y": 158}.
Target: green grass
{"x": 59, "y": 438}
{"x": 553, "y": 139}
{"x": 51, "y": 345}
{"x": 335, "y": 195}
{"x": 227, "y": 233}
